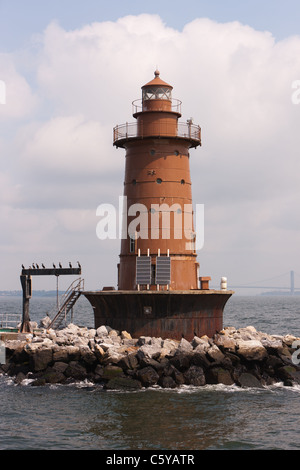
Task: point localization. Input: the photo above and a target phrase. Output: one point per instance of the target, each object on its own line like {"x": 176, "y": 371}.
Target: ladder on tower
{"x": 67, "y": 302}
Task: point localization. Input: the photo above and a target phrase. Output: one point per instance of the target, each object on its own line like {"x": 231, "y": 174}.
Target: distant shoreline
{"x": 36, "y": 293}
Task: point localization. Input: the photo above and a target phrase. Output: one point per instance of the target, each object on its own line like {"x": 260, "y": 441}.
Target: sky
{"x": 71, "y": 70}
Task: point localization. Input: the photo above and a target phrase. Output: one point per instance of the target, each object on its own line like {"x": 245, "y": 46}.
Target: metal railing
{"x": 67, "y": 301}
{"x": 137, "y": 105}
{"x": 131, "y": 130}
{"x": 10, "y": 320}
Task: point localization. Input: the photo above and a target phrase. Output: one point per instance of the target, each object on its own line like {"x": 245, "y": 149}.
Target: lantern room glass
{"x": 157, "y": 93}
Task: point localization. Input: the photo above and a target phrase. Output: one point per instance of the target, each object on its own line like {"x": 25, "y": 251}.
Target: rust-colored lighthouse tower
{"x": 159, "y": 290}
{"x": 157, "y": 186}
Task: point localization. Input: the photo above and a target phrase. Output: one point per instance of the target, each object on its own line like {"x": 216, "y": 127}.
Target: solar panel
{"x": 143, "y": 270}
{"x": 163, "y": 270}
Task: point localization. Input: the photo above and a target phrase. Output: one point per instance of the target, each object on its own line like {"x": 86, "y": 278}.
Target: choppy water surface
{"x": 84, "y": 416}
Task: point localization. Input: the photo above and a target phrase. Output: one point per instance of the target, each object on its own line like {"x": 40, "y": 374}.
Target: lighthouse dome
{"x": 157, "y": 89}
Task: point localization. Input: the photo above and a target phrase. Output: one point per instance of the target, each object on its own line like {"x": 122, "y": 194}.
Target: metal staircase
{"x": 66, "y": 303}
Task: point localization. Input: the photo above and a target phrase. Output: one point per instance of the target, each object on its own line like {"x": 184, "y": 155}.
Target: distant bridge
{"x": 260, "y": 284}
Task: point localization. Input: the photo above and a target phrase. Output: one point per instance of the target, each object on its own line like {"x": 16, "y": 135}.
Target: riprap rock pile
{"x": 244, "y": 356}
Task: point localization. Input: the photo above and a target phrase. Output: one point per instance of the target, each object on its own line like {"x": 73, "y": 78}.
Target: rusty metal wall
{"x": 160, "y": 314}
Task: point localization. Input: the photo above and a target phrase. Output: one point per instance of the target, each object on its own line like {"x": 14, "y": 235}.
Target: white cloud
{"x": 58, "y": 164}
{"x": 20, "y": 100}
{"x": 68, "y": 145}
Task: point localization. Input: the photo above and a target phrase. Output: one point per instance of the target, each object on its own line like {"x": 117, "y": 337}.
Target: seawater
{"x": 84, "y": 416}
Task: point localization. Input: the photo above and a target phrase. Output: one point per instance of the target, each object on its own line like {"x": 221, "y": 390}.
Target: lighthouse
{"x": 160, "y": 291}
{"x": 157, "y": 185}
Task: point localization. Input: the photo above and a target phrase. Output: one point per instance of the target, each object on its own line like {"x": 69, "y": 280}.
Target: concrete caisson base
{"x": 165, "y": 314}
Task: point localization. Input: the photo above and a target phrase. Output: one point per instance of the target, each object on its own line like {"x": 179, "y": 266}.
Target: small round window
{"x": 176, "y": 152}
{"x": 133, "y": 182}
{"x": 159, "y": 180}
{"x": 152, "y": 152}
{"x": 182, "y": 182}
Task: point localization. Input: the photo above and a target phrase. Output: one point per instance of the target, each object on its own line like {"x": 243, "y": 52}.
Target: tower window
{"x": 159, "y": 180}
{"x": 132, "y": 245}
{"x": 176, "y": 152}
{"x": 133, "y": 182}
{"x": 182, "y": 182}
{"x": 152, "y": 152}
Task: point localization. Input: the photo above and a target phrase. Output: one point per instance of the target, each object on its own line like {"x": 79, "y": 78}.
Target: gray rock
{"x": 252, "y": 350}
{"x": 184, "y": 347}
{"x": 52, "y": 376}
{"x": 144, "y": 340}
{"x": 149, "y": 351}
{"x": 102, "y": 331}
{"x": 248, "y": 380}
{"x": 215, "y": 354}
{"x": 123, "y": 383}
{"x": 195, "y": 376}
{"x": 289, "y": 373}
{"x": 181, "y": 361}
{"x": 218, "y": 375}
{"x": 178, "y": 377}
{"x": 148, "y": 376}
{"x": 60, "y": 354}
{"x": 76, "y": 371}
{"x": 45, "y": 322}
{"x": 40, "y": 359}
{"x": 167, "y": 382}
{"x": 60, "y": 367}
{"x": 111, "y": 371}
{"x": 19, "y": 378}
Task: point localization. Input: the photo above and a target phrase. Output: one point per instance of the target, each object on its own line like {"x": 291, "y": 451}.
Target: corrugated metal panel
{"x": 163, "y": 270}
{"x": 143, "y": 270}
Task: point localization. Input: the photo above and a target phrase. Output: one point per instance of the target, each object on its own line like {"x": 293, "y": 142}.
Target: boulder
{"x": 218, "y": 375}
{"x": 87, "y": 356}
{"x": 215, "y": 354}
{"x": 101, "y": 331}
{"x": 181, "y": 361}
{"x": 125, "y": 335}
{"x": 53, "y": 376}
{"x": 149, "y": 351}
{"x": 60, "y": 354}
{"x": 289, "y": 374}
{"x": 76, "y": 371}
{"x": 73, "y": 353}
{"x": 60, "y": 367}
{"x": 195, "y": 376}
{"x": 123, "y": 383}
{"x": 178, "y": 377}
{"x": 167, "y": 382}
{"x": 201, "y": 344}
{"x": 111, "y": 371}
{"x": 248, "y": 380}
{"x": 148, "y": 376}
{"x": 251, "y": 350}
{"x": 184, "y": 347}
{"x": 45, "y": 322}
{"x": 19, "y": 378}
{"x": 40, "y": 359}
{"x": 144, "y": 340}
{"x": 225, "y": 342}
{"x": 199, "y": 358}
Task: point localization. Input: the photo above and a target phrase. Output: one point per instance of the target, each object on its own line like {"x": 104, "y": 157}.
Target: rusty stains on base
{"x": 173, "y": 314}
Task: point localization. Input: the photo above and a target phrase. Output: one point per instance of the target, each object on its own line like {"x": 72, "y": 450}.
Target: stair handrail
{"x": 76, "y": 286}
{"x": 79, "y": 287}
